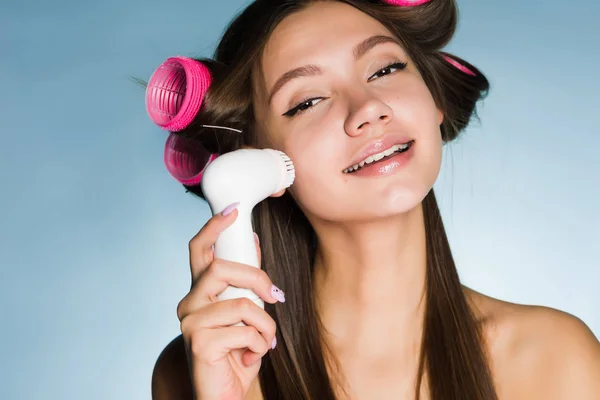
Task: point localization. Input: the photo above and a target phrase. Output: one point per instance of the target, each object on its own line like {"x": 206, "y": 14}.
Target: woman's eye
{"x": 303, "y": 106}
{"x": 388, "y": 70}
{"x": 309, "y": 103}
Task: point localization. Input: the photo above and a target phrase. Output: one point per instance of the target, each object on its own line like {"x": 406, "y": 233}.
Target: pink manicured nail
{"x": 229, "y": 209}
{"x": 274, "y": 343}
{"x": 278, "y": 294}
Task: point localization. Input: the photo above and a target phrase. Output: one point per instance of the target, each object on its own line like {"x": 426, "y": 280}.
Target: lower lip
{"x": 388, "y": 166}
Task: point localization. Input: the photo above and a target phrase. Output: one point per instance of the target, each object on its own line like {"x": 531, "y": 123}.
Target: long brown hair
{"x": 453, "y": 356}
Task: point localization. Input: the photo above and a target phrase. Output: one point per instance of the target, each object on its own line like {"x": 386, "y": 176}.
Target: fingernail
{"x": 256, "y": 237}
{"x": 274, "y": 343}
{"x": 278, "y": 294}
{"x": 229, "y": 209}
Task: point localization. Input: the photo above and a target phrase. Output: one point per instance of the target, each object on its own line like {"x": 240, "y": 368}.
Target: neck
{"x": 369, "y": 285}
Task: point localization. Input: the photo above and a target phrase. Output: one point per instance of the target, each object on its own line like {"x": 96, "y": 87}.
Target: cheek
{"x": 317, "y": 157}
{"x": 312, "y": 190}
{"x": 314, "y": 166}
{"x": 415, "y": 110}
{"x": 316, "y": 192}
{"x": 315, "y": 148}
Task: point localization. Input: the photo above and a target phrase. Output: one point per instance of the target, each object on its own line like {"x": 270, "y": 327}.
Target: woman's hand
{"x": 224, "y": 359}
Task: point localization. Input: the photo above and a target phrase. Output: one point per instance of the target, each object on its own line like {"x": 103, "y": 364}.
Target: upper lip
{"x": 377, "y": 146}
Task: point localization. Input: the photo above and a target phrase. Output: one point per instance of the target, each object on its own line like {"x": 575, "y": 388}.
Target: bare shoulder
{"x": 171, "y": 378}
{"x": 538, "y": 352}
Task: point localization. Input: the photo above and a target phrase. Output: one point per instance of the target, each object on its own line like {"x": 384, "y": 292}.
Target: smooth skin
{"x": 536, "y": 352}
{"x": 371, "y": 259}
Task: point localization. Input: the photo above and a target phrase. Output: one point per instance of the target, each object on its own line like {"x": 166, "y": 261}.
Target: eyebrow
{"x": 312, "y": 70}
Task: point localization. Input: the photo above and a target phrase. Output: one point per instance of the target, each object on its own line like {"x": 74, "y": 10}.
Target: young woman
{"x": 373, "y": 307}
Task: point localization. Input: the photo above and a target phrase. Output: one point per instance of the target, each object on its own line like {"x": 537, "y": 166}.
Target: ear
{"x": 440, "y": 117}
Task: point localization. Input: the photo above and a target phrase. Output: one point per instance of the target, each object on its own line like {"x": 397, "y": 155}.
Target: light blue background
{"x": 94, "y": 232}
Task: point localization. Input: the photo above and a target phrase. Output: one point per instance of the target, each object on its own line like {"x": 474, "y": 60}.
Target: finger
{"x": 228, "y": 313}
{"x": 201, "y": 245}
{"x": 212, "y": 345}
{"x": 249, "y": 357}
{"x": 221, "y": 274}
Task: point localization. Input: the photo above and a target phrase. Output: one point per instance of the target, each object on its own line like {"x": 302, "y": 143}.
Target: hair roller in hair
{"x": 457, "y": 65}
{"x": 406, "y": 3}
{"x": 175, "y": 92}
{"x": 186, "y": 159}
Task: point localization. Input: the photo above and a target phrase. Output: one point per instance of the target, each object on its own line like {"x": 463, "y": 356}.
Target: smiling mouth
{"x": 382, "y": 156}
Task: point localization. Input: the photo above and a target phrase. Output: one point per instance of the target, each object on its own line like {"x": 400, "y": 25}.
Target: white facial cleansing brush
{"x": 247, "y": 176}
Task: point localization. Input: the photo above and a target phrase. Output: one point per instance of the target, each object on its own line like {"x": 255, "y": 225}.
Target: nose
{"x": 370, "y": 116}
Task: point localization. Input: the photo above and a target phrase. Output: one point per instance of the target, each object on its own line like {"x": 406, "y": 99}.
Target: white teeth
{"x": 377, "y": 157}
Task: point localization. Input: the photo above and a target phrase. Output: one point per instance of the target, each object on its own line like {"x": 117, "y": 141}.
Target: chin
{"x": 395, "y": 202}
{"x": 369, "y": 208}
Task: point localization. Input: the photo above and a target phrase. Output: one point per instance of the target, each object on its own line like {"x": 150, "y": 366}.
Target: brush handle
{"x": 237, "y": 243}
{"x": 247, "y": 176}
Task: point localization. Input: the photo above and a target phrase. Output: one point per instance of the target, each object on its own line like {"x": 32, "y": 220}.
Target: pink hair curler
{"x": 175, "y": 92}
{"x": 186, "y": 159}
{"x": 458, "y": 65}
{"x": 406, "y": 3}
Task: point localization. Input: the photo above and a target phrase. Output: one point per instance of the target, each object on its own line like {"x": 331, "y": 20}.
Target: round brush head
{"x": 186, "y": 159}
{"x": 175, "y": 92}
{"x": 290, "y": 171}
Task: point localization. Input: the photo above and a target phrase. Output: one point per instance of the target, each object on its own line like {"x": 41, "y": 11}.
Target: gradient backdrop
{"x": 94, "y": 232}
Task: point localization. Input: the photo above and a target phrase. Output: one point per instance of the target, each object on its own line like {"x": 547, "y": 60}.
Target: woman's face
{"x": 334, "y": 88}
